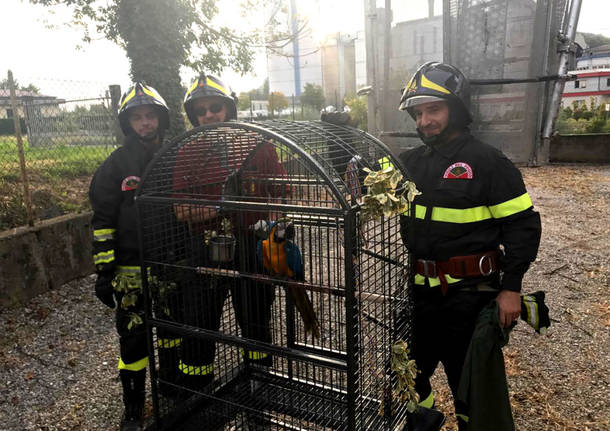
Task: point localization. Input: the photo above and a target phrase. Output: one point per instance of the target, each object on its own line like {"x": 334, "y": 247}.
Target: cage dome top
{"x": 269, "y": 162}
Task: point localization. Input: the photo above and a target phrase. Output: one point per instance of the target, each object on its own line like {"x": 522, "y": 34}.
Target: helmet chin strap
{"x": 455, "y": 124}
{"x": 435, "y": 139}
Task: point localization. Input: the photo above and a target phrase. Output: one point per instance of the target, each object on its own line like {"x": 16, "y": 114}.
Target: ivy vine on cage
{"x": 382, "y": 197}
{"x": 129, "y": 286}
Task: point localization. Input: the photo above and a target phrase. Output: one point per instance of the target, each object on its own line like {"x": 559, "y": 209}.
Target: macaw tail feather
{"x": 305, "y": 308}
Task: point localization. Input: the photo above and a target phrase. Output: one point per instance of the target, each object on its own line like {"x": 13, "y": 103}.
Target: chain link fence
{"x": 65, "y": 129}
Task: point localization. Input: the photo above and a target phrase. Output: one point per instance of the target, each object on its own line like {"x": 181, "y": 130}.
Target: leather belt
{"x": 474, "y": 265}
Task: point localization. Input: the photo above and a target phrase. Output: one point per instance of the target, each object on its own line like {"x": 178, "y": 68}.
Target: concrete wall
{"x": 43, "y": 257}
{"x": 593, "y": 148}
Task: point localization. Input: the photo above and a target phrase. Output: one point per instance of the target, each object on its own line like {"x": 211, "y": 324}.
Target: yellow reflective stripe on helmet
{"x": 190, "y": 90}
{"x": 134, "y": 366}
{"x": 463, "y": 417}
{"x": 130, "y": 96}
{"x": 103, "y": 234}
{"x": 410, "y": 85}
{"x": 217, "y": 86}
{"x": 385, "y": 162}
{"x": 465, "y": 215}
{"x": 428, "y": 402}
{"x": 153, "y": 93}
{"x": 195, "y": 370}
{"x": 425, "y": 82}
{"x": 103, "y": 257}
{"x": 434, "y": 281}
{"x": 512, "y": 206}
{"x": 168, "y": 343}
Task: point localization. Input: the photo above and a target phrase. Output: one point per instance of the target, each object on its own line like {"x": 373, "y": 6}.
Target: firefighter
{"x": 143, "y": 116}
{"x": 198, "y": 166}
{"x": 473, "y": 235}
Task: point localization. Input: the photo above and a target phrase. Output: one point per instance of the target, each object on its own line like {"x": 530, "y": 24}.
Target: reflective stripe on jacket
{"x": 473, "y": 200}
{"x": 112, "y": 191}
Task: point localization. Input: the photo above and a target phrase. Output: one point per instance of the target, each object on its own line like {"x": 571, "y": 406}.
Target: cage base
{"x": 256, "y": 399}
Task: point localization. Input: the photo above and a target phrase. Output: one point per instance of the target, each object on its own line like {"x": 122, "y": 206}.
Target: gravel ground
{"x": 58, "y": 353}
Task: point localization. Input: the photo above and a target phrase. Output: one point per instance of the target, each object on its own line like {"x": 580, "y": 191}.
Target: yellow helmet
{"x": 140, "y": 94}
{"x": 207, "y": 86}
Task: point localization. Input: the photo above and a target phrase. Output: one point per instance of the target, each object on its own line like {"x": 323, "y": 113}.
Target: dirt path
{"x": 58, "y": 354}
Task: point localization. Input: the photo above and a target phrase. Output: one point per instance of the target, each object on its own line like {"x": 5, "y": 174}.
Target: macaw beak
{"x": 284, "y": 231}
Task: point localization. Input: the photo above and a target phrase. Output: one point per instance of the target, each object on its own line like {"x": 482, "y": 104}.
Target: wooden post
{"x": 115, "y": 100}
{"x": 24, "y": 174}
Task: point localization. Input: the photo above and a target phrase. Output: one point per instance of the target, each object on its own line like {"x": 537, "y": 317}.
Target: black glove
{"x": 104, "y": 289}
{"x": 337, "y": 118}
{"x": 535, "y": 312}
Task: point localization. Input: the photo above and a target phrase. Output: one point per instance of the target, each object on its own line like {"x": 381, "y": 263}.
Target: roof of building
{"x": 5, "y": 93}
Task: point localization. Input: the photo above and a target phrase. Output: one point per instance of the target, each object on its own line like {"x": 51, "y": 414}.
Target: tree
{"x": 358, "y": 111}
{"x": 313, "y": 96}
{"x": 243, "y": 101}
{"x": 260, "y": 93}
{"x": 595, "y": 40}
{"x": 161, "y": 36}
{"x": 30, "y": 87}
{"x": 277, "y": 101}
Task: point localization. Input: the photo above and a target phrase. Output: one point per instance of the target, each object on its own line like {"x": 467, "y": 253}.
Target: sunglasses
{"x": 214, "y": 108}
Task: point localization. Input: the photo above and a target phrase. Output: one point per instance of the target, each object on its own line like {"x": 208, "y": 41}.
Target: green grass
{"x": 51, "y": 161}
{"x": 58, "y": 177}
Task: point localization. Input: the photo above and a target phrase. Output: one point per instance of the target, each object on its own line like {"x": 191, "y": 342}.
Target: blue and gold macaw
{"x": 281, "y": 257}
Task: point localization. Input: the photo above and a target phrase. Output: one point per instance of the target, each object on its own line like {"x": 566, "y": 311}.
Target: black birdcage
{"x": 272, "y": 304}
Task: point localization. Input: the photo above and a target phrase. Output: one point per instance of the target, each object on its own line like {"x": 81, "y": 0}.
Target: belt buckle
{"x": 491, "y": 266}
{"x": 429, "y": 264}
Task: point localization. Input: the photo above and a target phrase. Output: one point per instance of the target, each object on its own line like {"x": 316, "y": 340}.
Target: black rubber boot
{"x": 133, "y": 397}
{"x": 425, "y": 419}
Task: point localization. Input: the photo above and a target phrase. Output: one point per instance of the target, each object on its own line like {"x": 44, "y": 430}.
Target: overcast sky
{"x": 42, "y": 56}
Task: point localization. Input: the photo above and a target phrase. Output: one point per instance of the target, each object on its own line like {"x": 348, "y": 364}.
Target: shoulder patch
{"x": 130, "y": 183}
{"x": 458, "y": 170}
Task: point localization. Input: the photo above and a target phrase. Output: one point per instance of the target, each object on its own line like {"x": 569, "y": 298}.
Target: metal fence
{"x": 53, "y": 135}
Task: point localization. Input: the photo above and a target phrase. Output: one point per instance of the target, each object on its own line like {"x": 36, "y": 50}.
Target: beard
{"x": 149, "y": 136}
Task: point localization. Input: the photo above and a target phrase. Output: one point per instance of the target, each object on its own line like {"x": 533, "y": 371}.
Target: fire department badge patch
{"x": 459, "y": 170}
{"x": 130, "y": 183}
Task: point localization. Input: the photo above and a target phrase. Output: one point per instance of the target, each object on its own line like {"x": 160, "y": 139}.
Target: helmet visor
{"x": 410, "y": 102}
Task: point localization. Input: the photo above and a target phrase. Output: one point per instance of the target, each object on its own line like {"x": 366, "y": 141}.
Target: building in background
{"x": 311, "y": 58}
{"x": 338, "y": 68}
{"x": 592, "y": 86}
{"x": 298, "y": 62}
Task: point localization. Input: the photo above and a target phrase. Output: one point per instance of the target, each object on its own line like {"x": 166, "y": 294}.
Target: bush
{"x": 358, "y": 111}
{"x": 596, "y": 125}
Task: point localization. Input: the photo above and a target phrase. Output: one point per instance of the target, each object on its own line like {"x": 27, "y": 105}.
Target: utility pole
{"x": 370, "y": 27}
{"x": 387, "y": 44}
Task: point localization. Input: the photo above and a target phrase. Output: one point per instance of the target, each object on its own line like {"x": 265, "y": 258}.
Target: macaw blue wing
{"x": 294, "y": 260}
{"x": 259, "y": 253}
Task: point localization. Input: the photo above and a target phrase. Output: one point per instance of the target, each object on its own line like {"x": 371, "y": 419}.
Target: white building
{"x": 593, "y": 79}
